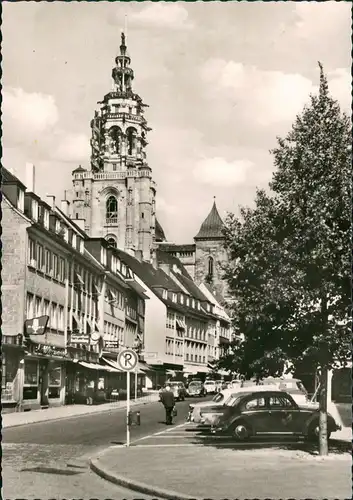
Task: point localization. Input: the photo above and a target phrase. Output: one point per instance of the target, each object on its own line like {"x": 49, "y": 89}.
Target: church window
{"x": 111, "y": 242}
{"x": 131, "y": 139}
{"x": 112, "y": 208}
{"x": 142, "y": 215}
{"x": 210, "y": 267}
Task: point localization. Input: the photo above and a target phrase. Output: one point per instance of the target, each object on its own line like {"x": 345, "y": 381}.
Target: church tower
{"x": 210, "y": 255}
{"x": 116, "y": 197}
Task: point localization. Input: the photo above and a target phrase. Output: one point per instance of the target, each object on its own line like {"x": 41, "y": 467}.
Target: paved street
{"x": 35, "y": 456}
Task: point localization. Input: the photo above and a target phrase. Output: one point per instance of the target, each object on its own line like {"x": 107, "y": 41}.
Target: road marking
{"x": 157, "y": 433}
{"x": 161, "y": 445}
{"x": 170, "y": 436}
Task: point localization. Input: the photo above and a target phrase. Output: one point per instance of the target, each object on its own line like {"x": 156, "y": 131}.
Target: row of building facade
{"x": 98, "y": 300}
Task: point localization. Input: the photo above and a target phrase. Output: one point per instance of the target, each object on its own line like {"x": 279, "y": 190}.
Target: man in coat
{"x": 168, "y": 401}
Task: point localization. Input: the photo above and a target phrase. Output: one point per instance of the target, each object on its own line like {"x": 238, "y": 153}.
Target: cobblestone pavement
{"x": 34, "y": 471}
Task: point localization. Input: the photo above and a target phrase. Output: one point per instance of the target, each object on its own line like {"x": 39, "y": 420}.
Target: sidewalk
{"x": 57, "y": 413}
{"x": 182, "y": 472}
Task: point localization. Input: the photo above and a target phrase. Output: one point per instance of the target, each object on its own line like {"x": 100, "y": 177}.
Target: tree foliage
{"x": 289, "y": 268}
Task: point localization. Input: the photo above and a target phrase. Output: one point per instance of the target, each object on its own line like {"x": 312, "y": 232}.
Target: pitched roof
{"x": 173, "y": 248}
{"x": 8, "y": 178}
{"x": 166, "y": 258}
{"x": 160, "y": 235}
{"x": 212, "y": 226}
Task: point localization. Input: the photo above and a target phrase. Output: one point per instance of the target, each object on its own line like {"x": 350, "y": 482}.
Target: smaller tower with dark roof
{"x": 210, "y": 255}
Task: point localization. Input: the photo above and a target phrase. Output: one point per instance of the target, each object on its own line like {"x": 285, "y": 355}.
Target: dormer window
{"x": 165, "y": 294}
{"x": 208, "y": 307}
{"x": 46, "y": 218}
{"x": 193, "y": 303}
{"x": 66, "y": 234}
{"x": 187, "y": 301}
{"x": 123, "y": 269}
{"x": 74, "y": 240}
{"x": 21, "y": 200}
{"x": 82, "y": 246}
{"x": 181, "y": 298}
{"x": 113, "y": 264}
{"x": 104, "y": 256}
{"x": 198, "y": 305}
{"x": 57, "y": 226}
{"x": 174, "y": 297}
{"x": 35, "y": 210}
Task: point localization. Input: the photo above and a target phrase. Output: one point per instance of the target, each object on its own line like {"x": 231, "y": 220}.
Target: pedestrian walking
{"x": 168, "y": 401}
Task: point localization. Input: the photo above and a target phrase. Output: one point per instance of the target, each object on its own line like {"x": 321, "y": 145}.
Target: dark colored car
{"x": 196, "y": 388}
{"x": 178, "y": 389}
{"x": 270, "y": 413}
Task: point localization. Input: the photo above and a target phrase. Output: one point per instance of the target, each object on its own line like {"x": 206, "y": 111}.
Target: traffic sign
{"x": 127, "y": 360}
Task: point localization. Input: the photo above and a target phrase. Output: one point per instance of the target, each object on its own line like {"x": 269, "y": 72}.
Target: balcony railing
{"x": 111, "y": 222}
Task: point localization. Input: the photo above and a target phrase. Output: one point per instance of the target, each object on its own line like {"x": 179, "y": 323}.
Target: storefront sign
{"x": 47, "y": 350}
{"x": 79, "y": 338}
{"x": 111, "y": 344}
{"x": 36, "y": 326}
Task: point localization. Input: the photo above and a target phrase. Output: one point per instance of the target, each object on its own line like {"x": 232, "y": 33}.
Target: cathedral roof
{"x": 79, "y": 169}
{"x": 160, "y": 236}
{"x": 212, "y": 226}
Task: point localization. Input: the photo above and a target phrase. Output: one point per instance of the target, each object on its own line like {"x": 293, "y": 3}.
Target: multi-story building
{"x": 52, "y": 269}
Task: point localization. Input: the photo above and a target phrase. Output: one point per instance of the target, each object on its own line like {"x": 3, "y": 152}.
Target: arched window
{"x": 210, "y": 267}
{"x": 111, "y": 241}
{"x": 131, "y": 141}
{"x": 114, "y": 140}
{"x": 112, "y": 208}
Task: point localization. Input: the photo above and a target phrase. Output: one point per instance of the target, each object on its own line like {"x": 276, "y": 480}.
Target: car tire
{"x": 313, "y": 432}
{"x": 241, "y": 431}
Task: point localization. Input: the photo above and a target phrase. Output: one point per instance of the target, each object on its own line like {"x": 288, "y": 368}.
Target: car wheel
{"x": 314, "y": 432}
{"x": 241, "y": 431}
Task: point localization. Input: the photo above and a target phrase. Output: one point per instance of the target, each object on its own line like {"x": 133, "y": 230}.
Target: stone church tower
{"x": 116, "y": 197}
{"x": 210, "y": 254}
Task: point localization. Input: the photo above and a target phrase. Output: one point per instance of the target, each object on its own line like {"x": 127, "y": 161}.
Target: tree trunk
{"x": 323, "y": 441}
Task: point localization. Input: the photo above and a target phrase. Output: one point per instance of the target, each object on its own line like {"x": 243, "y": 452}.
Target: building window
{"x": 31, "y": 253}
{"x": 40, "y": 256}
{"x": 48, "y": 261}
{"x": 114, "y": 166}
{"x": 21, "y": 200}
{"x": 46, "y": 219}
{"x": 38, "y": 309}
{"x": 210, "y": 267}
{"x": 61, "y": 318}
{"x": 111, "y": 208}
{"x": 62, "y": 269}
{"x": 54, "y": 379}
{"x": 31, "y": 379}
{"x": 55, "y": 266}
{"x": 30, "y": 306}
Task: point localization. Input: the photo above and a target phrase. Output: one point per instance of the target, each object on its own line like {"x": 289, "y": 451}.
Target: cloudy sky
{"x": 222, "y": 81}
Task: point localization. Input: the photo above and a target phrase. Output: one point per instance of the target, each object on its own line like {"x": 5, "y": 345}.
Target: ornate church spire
{"x": 122, "y": 74}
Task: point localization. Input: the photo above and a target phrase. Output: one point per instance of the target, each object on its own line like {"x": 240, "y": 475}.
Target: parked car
{"x": 195, "y": 408}
{"x": 196, "y": 388}
{"x": 294, "y": 387}
{"x": 270, "y": 413}
{"x": 210, "y": 386}
{"x": 211, "y": 412}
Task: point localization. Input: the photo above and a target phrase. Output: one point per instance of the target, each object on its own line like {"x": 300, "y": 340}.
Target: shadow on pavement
{"x": 204, "y": 438}
{"x": 50, "y": 470}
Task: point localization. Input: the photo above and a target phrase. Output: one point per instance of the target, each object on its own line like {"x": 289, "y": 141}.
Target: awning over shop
{"x": 180, "y": 324}
{"x": 112, "y": 364}
{"x": 192, "y": 370}
{"x": 93, "y": 366}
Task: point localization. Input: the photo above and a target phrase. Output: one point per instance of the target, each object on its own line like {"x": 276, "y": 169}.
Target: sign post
{"x": 127, "y": 360}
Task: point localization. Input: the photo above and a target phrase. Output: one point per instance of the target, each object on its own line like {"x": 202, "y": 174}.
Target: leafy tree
{"x": 289, "y": 270}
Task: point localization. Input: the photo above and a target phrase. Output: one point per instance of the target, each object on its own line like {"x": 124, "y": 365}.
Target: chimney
{"x": 51, "y": 200}
{"x": 65, "y": 205}
{"x": 30, "y": 177}
{"x": 165, "y": 267}
{"x": 80, "y": 223}
{"x": 138, "y": 255}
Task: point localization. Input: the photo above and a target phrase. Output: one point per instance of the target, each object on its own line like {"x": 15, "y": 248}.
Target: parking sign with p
{"x": 127, "y": 360}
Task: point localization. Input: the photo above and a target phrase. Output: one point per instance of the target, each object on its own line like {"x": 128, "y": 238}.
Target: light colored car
{"x": 210, "y": 386}
{"x": 177, "y": 388}
{"x": 211, "y": 413}
{"x": 294, "y": 387}
{"x": 219, "y": 399}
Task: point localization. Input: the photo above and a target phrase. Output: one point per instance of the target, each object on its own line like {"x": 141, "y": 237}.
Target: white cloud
{"x": 317, "y": 19}
{"x": 73, "y": 148}
{"x": 340, "y": 86}
{"x": 169, "y": 16}
{"x": 26, "y": 115}
{"x": 269, "y": 97}
{"x": 219, "y": 172}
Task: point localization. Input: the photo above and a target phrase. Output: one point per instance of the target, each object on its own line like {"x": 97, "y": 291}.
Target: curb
{"x": 136, "y": 485}
{"x": 103, "y": 410}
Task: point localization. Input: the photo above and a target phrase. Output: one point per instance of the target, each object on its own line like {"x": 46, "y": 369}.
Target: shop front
{"x": 11, "y": 361}
{"x": 43, "y": 382}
